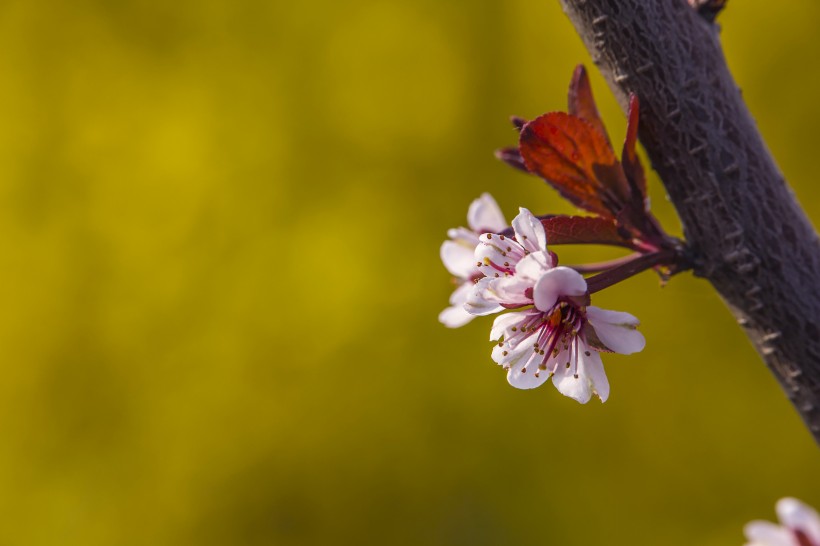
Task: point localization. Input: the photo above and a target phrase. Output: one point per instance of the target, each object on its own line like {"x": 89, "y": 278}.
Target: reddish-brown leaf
{"x": 511, "y": 157}
{"x": 631, "y": 162}
{"x": 576, "y": 159}
{"x": 581, "y": 103}
{"x": 579, "y": 230}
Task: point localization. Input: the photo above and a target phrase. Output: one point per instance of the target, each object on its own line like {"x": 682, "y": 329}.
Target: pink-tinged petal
{"x": 458, "y": 259}
{"x": 557, "y": 282}
{"x": 492, "y": 249}
{"x": 590, "y": 365}
{"x": 533, "y": 266}
{"x": 482, "y": 299}
{"x": 503, "y": 324}
{"x": 583, "y": 378}
{"x": 529, "y": 231}
{"x": 463, "y": 236}
{"x": 616, "y": 330}
{"x": 485, "y": 216}
{"x": 763, "y": 533}
{"x": 567, "y": 384}
{"x": 455, "y": 317}
{"x": 525, "y": 374}
{"x": 512, "y": 290}
{"x": 506, "y": 355}
{"x": 796, "y": 515}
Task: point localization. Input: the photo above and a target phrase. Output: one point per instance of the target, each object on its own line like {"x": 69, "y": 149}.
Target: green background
{"x": 219, "y": 282}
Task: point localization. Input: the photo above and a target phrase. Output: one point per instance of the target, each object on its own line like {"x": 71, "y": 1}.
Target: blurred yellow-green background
{"x": 219, "y": 233}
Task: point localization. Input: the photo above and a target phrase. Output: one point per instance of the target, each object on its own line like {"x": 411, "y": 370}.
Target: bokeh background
{"x": 219, "y": 282}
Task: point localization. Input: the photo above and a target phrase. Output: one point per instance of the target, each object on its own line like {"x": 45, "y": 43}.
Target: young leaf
{"x": 580, "y": 101}
{"x": 511, "y": 157}
{"x": 577, "y": 160}
{"x": 631, "y": 162}
{"x": 579, "y": 230}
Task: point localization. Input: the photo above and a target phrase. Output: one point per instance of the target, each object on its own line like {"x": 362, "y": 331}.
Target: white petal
{"x": 463, "y": 236}
{"x": 532, "y": 266}
{"x": 507, "y": 355}
{"x": 763, "y": 533}
{"x": 491, "y": 249}
{"x": 557, "y": 282}
{"x": 616, "y": 330}
{"x": 459, "y": 296}
{"x": 796, "y": 515}
{"x": 512, "y": 290}
{"x": 503, "y": 324}
{"x": 458, "y": 259}
{"x": 583, "y": 378}
{"x": 575, "y": 388}
{"x": 482, "y": 300}
{"x": 529, "y": 231}
{"x": 526, "y": 375}
{"x": 484, "y": 215}
{"x": 455, "y": 317}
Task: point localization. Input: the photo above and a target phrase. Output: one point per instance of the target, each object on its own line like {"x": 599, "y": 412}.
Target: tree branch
{"x": 749, "y": 236}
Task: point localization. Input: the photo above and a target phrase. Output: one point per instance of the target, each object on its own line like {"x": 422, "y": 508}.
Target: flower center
{"x": 557, "y": 332}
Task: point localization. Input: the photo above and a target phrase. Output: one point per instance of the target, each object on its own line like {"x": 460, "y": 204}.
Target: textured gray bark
{"x": 750, "y": 238}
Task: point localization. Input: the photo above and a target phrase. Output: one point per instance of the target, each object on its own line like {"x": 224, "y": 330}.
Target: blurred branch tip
{"x": 754, "y": 243}
{"x": 708, "y": 9}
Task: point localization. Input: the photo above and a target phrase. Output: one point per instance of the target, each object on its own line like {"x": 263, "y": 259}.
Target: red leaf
{"x": 579, "y": 230}
{"x": 630, "y": 160}
{"x": 577, "y": 160}
{"x": 581, "y": 103}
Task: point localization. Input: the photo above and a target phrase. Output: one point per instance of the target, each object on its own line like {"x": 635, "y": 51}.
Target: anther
{"x": 501, "y": 237}
{"x": 504, "y": 353}
{"x": 575, "y": 376}
{"x": 567, "y": 365}
{"x": 489, "y": 236}
{"x": 586, "y": 353}
{"x": 523, "y": 370}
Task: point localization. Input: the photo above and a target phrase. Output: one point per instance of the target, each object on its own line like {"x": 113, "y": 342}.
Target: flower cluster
{"x": 800, "y": 526}
{"x": 553, "y": 333}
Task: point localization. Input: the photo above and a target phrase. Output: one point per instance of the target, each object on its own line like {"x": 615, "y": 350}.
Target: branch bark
{"x": 749, "y": 236}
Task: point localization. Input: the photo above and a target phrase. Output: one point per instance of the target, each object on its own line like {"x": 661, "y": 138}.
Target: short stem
{"x": 597, "y": 267}
{"x": 631, "y": 268}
